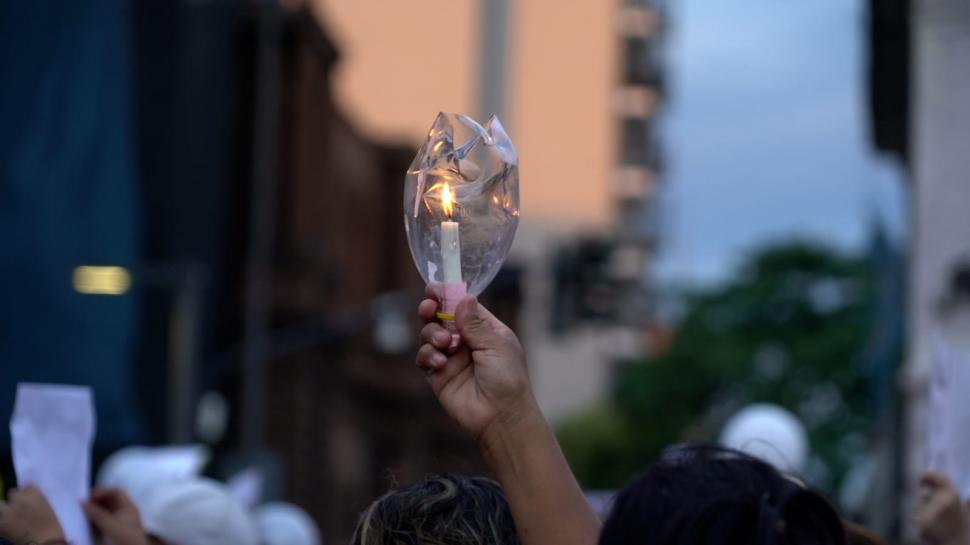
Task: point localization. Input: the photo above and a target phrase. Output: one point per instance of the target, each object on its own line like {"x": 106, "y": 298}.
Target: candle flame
{"x": 447, "y": 200}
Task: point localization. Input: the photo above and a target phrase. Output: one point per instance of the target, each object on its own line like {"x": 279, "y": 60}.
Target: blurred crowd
{"x": 747, "y": 490}
{"x": 157, "y": 495}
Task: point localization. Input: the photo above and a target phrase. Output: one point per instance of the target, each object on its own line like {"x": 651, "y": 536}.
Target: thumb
{"x": 478, "y": 327}
{"x": 99, "y": 516}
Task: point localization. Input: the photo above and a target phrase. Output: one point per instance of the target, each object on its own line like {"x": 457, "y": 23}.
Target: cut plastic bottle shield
{"x": 461, "y": 205}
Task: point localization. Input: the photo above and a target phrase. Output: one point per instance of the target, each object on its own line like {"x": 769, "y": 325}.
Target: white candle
{"x": 450, "y": 252}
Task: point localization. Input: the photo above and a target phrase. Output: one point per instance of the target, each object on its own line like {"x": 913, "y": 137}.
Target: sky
{"x": 765, "y": 134}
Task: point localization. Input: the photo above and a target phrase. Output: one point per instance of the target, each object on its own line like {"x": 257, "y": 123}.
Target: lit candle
{"x": 452, "y": 288}
{"x": 450, "y": 242}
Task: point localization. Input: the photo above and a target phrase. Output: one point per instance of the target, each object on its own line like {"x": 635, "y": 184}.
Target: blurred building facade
{"x": 940, "y": 149}
{"x": 306, "y": 323}
{"x": 193, "y": 213}
{"x": 600, "y": 305}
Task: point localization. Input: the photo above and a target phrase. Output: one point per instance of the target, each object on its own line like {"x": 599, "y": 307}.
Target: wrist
{"x": 517, "y": 426}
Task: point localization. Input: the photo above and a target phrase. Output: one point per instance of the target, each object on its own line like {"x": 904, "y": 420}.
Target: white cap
{"x": 286, "y": 524}
{"x": 771, "y": 433}
{"x": 139, "y": 470}
{"x": 197, "y": 512}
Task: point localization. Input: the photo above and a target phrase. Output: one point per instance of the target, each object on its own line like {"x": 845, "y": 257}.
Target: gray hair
{"x": 439, "y": 510}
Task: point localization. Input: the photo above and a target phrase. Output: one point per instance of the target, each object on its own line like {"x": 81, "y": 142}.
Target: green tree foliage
{"x": 790, "y": 328}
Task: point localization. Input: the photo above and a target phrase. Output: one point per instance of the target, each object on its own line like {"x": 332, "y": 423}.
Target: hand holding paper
{"x": 28, "y": 518}
{"x": 51, "y": 431}
{"x": 115, "y": 517}
{"x": 940, "y": 516}
{"x": 949, "y": 415}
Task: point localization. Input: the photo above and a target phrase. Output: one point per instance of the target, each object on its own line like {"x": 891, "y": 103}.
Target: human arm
{"x": 484, "y": 386}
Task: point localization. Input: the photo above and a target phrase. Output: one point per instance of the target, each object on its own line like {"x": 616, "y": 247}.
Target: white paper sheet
{"x": 948, "y": 418}
{"x": 936, "y": 447}
{"x": 51, "y": 431}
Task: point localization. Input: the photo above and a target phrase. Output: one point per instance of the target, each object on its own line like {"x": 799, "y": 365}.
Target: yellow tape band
{"x": 446, "y": 316}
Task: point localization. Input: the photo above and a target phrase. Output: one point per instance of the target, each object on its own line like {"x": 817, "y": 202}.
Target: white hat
{"x": 197, "y": 512}
{"x": 139, "y": 470}
{"x": 286, "y": 524}
{"x": 768, "y": 432}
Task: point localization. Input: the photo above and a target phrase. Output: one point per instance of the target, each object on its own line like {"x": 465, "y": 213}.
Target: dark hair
{"x": 439, "y": 510}
{"x": 704, "y": 495}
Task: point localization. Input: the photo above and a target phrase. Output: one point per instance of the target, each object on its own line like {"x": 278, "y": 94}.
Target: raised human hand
{"x": 484, "y": 380}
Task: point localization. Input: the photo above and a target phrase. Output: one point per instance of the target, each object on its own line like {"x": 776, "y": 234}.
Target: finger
{"x": 936, "y": 505}
{"x": 430, "y": 292}
{"x": 430, "y": 358}
{"x": 101, "y": 493}
{"x": 99, "y": 516}
{"x": 436, "y": 335}
{"x": 457, "y": 367}
{"x": 479, "y": 328}
{"x": 29, "y": 489}
{"x": 921, "y": 509}
{"x": 934, "y": 479}
{"x": 428, "y": 310}
{"x": 37, "y": 496}
{"x": 110, "y": 498}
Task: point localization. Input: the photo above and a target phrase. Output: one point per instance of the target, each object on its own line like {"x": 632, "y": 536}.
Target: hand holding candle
{"x": 461, "y": 207}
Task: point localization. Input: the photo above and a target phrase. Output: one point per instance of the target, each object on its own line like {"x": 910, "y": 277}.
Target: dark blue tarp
{"x": 68, "y": 197}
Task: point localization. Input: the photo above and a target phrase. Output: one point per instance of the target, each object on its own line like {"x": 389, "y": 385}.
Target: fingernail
{"x": 438, "y": 358}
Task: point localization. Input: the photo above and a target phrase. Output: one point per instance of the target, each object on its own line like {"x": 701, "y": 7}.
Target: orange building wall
{"x": 402, "y": 62}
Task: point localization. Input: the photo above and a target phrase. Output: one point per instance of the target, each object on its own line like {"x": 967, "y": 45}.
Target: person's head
{"x": 706, "y": 495}
{"x": 439, "y": 510}
{"x": 197, "y": 512}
